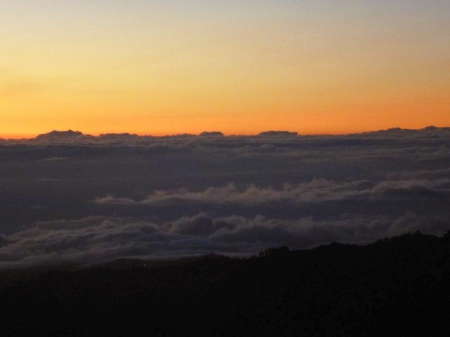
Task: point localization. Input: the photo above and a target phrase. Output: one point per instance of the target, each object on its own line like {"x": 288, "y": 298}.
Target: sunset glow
{"x": 239, "y": 67}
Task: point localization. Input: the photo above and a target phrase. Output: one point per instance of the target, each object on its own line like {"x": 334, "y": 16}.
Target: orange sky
{"x": 238, "y": 67}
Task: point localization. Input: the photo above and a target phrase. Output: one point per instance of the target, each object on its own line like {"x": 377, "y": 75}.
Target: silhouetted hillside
{"x": 394, "y": 287}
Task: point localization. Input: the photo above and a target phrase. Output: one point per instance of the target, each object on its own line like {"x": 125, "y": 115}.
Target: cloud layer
{"x": 69, "y": 197}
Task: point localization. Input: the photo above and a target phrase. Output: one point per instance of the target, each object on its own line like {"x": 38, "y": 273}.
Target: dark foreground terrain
{"x": 394, "y": 287}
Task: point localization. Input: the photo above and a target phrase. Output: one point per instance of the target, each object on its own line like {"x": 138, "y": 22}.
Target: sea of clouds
{"x": 70, "y": 197}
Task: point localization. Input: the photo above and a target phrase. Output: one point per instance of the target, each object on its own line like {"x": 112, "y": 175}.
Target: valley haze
{"x": 68, "y": 197}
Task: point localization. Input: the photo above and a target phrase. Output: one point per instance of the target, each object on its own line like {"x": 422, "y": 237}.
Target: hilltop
{"x": 396, "y": 286}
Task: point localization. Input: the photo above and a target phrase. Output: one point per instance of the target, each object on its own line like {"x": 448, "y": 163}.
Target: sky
{"x": 241, "y": 67}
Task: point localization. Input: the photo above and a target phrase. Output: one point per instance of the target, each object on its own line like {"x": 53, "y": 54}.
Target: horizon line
{"x": 219, "y": 133}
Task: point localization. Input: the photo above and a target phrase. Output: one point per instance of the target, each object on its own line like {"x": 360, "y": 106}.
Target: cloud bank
{"x": 69, "y": 197}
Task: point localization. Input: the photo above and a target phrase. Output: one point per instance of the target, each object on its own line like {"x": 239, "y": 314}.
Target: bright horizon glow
{"x": 159, "y": 68}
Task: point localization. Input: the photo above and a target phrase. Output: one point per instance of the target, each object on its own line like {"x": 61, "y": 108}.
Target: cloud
{"x": 200, "y": 225}
{"x": 68, "y": 197}
{"x": 99, "y": 239}
{"x": 317, "y": 190}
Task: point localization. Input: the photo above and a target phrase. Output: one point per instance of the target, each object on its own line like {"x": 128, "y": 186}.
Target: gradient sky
{"x": 242, "y": 67}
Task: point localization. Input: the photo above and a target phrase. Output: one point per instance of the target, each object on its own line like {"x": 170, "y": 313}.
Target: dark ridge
{"x": 395, "y": 287}
{"x": 277, "y": 133}
{"x": 433, "y": 128}
{"x": 74, "y": 136}
{"x": 430, "y": 128}
{"x": 211, "y": 134}
{"x": 394, "y": 129}
{"x": 118, "y": 138}
{"x": 180, "y": 135}
{"x": 118, "y": 135}
{"x": 59, "y": 135}
{"x": 400, "y": 131}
